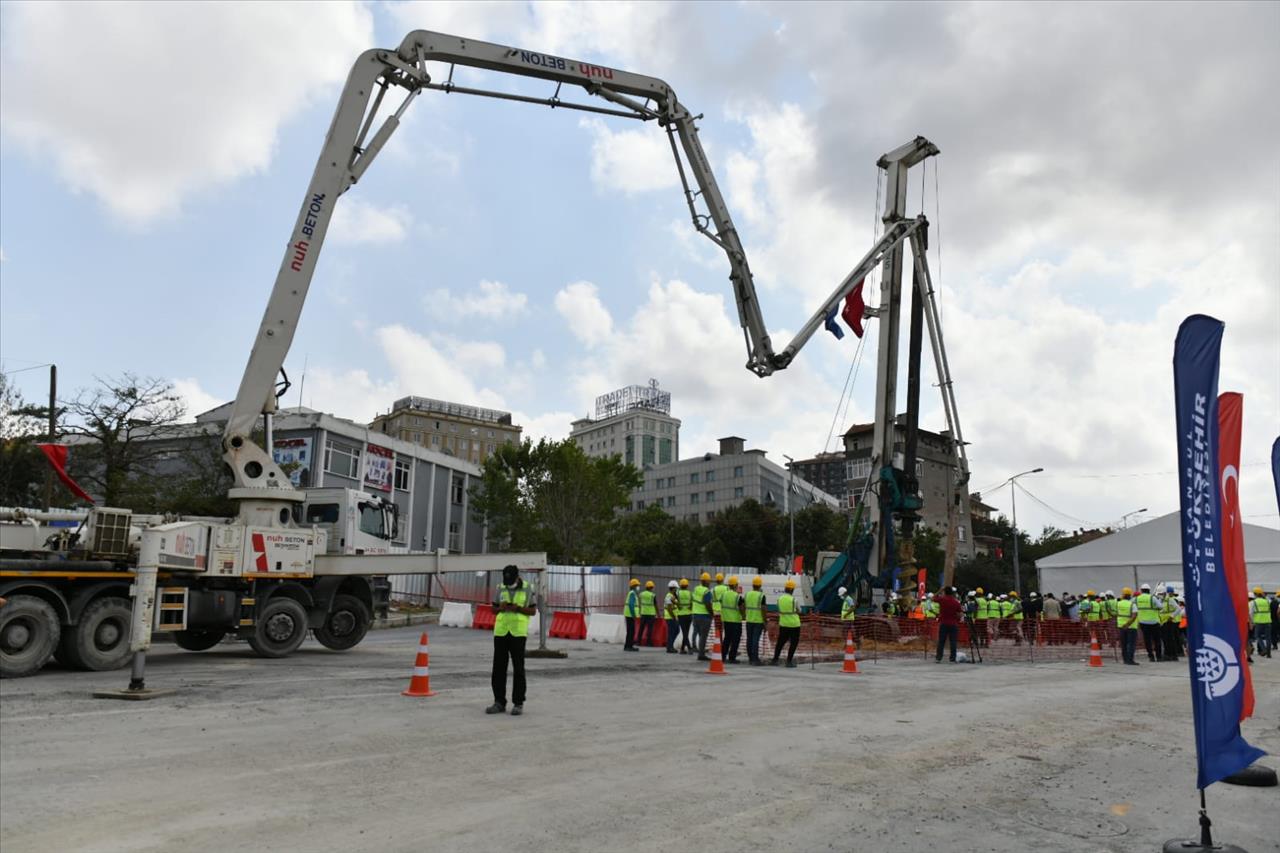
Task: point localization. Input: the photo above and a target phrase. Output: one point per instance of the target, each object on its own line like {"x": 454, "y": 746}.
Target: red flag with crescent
{"x": 57, "y": 456}
{"x": 1230, "y": 417}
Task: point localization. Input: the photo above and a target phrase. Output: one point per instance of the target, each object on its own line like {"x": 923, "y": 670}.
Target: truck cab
{"x": 355, "y": 522}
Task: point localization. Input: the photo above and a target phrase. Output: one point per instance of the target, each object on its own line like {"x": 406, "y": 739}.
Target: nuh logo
{"x": 1217, "y": 667}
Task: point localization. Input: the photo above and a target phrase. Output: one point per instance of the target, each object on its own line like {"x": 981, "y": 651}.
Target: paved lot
{"x": 625, "y": 752}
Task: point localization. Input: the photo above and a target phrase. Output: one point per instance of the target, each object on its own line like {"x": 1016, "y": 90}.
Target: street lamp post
{"x": 1124, "y": 519}
{"x": 1013, "y": 497}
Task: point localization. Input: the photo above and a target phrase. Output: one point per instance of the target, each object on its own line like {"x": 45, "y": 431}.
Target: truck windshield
{"x": 322, "y": 514}
{"x": 371, "y": 520}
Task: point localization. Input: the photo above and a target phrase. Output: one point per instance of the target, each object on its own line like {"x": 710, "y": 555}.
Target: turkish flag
{"x": 1230, "y": 417}
{"x": 57, "y": 456}
{"x": 853, "y": 307}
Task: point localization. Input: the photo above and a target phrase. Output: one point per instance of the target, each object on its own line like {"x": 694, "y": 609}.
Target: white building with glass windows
{"x": 633, "y": 423}
{"x": 695, "y": 489}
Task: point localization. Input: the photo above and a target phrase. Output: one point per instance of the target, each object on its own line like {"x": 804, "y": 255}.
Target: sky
{"x": 1106, "y": 170}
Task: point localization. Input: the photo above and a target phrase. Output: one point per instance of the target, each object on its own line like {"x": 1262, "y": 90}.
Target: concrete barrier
{"x": 606, "y": 628}
{"x": 455, "y": 614}
{"x": 534, "y": 623}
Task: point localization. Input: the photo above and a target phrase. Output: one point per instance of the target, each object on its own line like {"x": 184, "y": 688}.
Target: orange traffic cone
{"x": 1095, "y": 651}
{"x": 420, "y": 683}
{"x": 850, "y": 655}
{"x": 717, "y": 662}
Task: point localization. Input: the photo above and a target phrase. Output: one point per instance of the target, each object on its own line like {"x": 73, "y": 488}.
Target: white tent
{"x": 1149, "y": 553}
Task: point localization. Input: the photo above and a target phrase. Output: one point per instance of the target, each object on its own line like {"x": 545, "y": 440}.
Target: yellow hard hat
{"x": 684, "y": 583}
{"x": 733, "y": 580}
{"x": 1013, "y": 593}
{"x": 634, "y": 582}
{"x": 1257, "y": 590}
{"x": 1278, "y": 592}
{"x": 757, "y": 581}
{"x": 790, "y": 584}
{"x": 1126, "y": 591}
{"x": 705, "y": 577}
{"x": 1090, "y": 593}
{"x": 719, "y": 577}
{"x": 980, "y": 590}
{"x": 648, "y": 584}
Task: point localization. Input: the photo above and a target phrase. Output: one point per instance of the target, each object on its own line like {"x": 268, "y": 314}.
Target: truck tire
{"x": 346, "y": 626}
{"x": 101, "y": 639}
{"x": 197, "y": 641}
{"x": 29, "y": 633}
{"x": 281, "y": 628}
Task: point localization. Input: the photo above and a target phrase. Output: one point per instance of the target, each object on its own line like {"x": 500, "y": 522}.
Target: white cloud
{"x": 589, "y": 321}
{"x": 553, "y": 426}
{"x": 194, "y": 398}
{"x": 490, "y": 299}
{"x": 150, "y": 117}
{"x": 632, "y": 161}
{"x": 355, "y": 222}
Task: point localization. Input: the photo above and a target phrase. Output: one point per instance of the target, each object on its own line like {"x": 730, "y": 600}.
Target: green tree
{"x": 553, "y": 497}
{"x": 22, "y": 467}
{"x": 754, "y": 535}
{"x": 929, "y": 552}
{"x": 818, "y": 528}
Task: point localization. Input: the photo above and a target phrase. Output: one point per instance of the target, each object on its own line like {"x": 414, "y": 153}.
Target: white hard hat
{"x": 972, "y": 593}
{"x": 842, "y": 590}
{"x": 1033, "y": 595}
{"x": 930, "y": 595}
{"x": 672, "y": 584}
{"x": 1109, "y": 592}
{"x": 1146, "y": 586}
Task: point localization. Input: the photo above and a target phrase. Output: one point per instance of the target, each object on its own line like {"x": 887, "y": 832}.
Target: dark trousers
{"x": 980, "y": 632}
{"x": 645, "y": 637}
{"x": 673, "y": 628}
{"x": 1172, "y": 642}
{"x": 701, "y": 630}
{"x": 948, "y": 634}
{"x": 508, "y": 647}
{"x": 1151, "y": 639}
{"x": 754, "y": 630}
{"x": 789, "y": 637}
{"x": 685, "y": 621}
{"x": 732, "y": 639}
{"x": 1128, "y": 644}
{"x": 631, "y": 632}
{"x": 1262, "y": 639}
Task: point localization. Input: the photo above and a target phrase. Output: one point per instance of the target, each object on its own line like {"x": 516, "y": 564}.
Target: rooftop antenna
{"x": 303, "y": 382}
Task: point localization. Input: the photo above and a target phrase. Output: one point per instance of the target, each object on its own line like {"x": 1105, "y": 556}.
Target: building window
{"x": 711, "y": 496}
{"x": 435, "y": 441}
{"x": 639, "y": 504}
{"x": 857, "y": 469}
{"x": 342, "y": 459}
{"x": 737, "y": 492}
{"x": 737, "y": 470}
{"x": 960, "y": 534}
{"x": 711, "y": 475}
{"x": 693, "y": 478}
{"x": 693, "y": 498}
{"x": 455, "y": 537}
{"x": 671, "y": 500}
{"x": 456, "y": 490}
{"x": 403, "y": 473}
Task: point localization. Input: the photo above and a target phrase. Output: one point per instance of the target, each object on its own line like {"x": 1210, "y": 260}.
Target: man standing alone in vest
{"x": 514, "y": 604}
{"x": 1149, "y": 622}
{"x": 755, "y": 602}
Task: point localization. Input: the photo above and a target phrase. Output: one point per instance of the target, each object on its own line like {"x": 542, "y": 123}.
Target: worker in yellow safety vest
{"x": 515, "y": 602}
{"x": 670, "y": 605}
{"x": 684, "y": 613}
{"x": 648, "y": 614}
{"x": 716, "y": 592}
{"x": 1170, "y": 636}
{"x": 631, "y": 615}
{"x": 1127, "y": 625}
{"x": 1260, "y": 615}
{"x": 755, "y": 603}
{"x": 1149, "y": 623}
{"x": 981, "y": 617}
{"x": 702, "y": 615}
{"x": 788, "y": 625}
{"x": 931, "y": 609}
{"x": 732, "y": 612}
{"x": 848, "y": 606}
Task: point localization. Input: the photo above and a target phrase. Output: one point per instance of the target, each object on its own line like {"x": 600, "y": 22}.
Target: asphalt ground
{"x": 616, "y": 751}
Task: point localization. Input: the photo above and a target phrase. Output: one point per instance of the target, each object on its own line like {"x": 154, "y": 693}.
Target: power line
{"x": 1054, "y": 510}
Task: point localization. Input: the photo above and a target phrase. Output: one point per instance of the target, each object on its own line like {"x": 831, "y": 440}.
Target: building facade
{"x": 453, "y": 429}
{"x": 935, "y": 472}
{"x": 695, "y": 489}
{"x": 633, "y": 423}
{"x": 827, "y": 471}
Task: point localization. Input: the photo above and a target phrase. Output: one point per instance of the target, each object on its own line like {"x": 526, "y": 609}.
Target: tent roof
{"x": 1155, "y": 543}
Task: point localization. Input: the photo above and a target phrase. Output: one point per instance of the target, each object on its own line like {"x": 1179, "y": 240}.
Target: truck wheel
{"x": 101, "y": 640}
{"x": 346, "y": 625}
{"x": 197, "y": 641}
{"x": 281, "y": 628}
{"x": 29, "y": 632}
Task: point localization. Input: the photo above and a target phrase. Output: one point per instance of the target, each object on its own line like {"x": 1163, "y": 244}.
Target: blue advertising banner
{"x": 1275, "y": 468}
{"x": 1213, "y": 635}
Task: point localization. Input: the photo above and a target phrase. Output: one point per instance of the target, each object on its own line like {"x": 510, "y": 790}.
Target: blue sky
{"x": 529, "y": 259}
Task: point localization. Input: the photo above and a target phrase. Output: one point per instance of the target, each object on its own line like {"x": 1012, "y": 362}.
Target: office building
{"x": 454, "y": 429}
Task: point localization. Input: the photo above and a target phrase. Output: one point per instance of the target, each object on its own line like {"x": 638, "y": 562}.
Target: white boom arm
{"x": 348, "y": 150}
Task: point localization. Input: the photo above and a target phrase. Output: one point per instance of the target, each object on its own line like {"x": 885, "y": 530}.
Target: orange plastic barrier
{"x": 657, "y": 636}
{"x": 484, "y": 618}
{"x": 568, "y": 625}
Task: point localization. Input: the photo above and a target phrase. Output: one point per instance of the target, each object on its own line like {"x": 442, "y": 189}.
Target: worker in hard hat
{"x": 1016, "y": 617}
{"x": 1170, "y": 637}
{"x": 702, "y": 615}
{"x": 1032, "y": 609}
{"x": 716, "y": 592}
{"x": 631, "y": 614}
{"x": 648, "y": 614}
{"x": 986, "y": 611}
{"x": 732, "y": 612}
{"x": 930, "y": 607}
{"x": 848, "y": 607}
{"x": 1260, "y": 614}
{"x": 684, "y": 613}
{"x": 1127, "y": 626}
{"x": 670, "y": 607}
{"x": 1149, "y": 622}
{"x": 755, "y": 603}
{"x": 788, "y": 624}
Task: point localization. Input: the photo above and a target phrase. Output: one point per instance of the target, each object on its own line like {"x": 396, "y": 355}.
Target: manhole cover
{"x": 1078, "y": 824}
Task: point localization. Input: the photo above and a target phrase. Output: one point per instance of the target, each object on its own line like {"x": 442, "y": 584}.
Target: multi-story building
{"x": 935, "y": 472}
{"x": 828, "y": 472}
{"x": 634, "y": 423}
{"x": 695, "y": 489}
{"x": 467, "y": 432}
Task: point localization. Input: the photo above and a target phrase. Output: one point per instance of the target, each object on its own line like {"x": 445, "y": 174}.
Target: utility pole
{"x": 1017, "y": 569}
{"x": 53, "y": 432}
